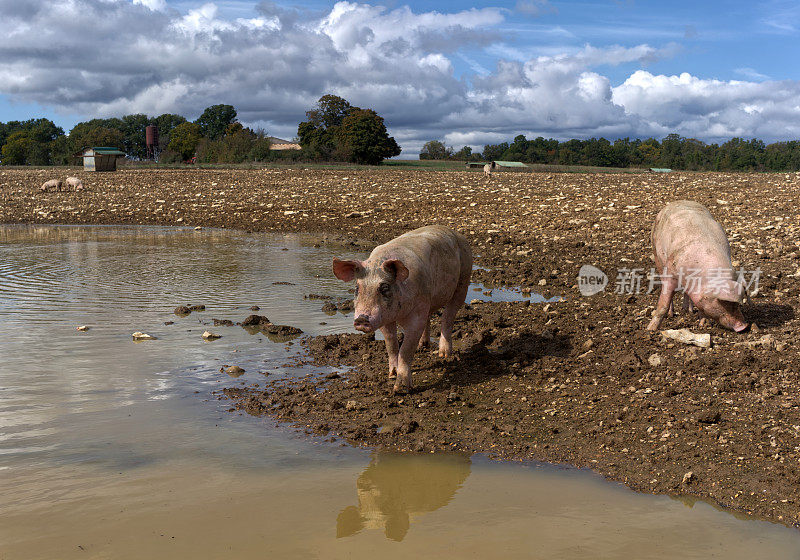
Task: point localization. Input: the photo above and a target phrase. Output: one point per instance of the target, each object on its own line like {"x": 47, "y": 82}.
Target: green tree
{"x": 330, "y": 112}
{"x": 133, "y": 131}
{"x": 492, "y": 152}
{"x": 165, "y": 124}
{"x": 435, "y": 150}
{"x": 215, "y": 120}
{"x": 317, "y": 133}
{"x": 17, "y": 148}
{"x": 95, "y": 135}
{"x": 464, "y": 154}
{"x": 362, "y": 138}
{"x": 29, "y": 142}
{"x": 261, "y": 147}
{"x": 184, "y": 139}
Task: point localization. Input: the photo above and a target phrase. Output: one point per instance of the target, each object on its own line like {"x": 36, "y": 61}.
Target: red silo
{"x": 151, "y": 140}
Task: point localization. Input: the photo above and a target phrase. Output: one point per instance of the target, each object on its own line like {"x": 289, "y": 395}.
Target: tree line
{"x": 334, "y": 130}
{"x": 214, "y": 137}
{"x": 674, "y": 152}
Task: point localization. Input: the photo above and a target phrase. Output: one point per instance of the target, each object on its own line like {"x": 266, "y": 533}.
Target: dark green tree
{"x": 184, "y": 139}
{"x": 492, "y": 152}
{"x": 362, "y": 138}
{"x": 464, "y": 154}
{"x": 133, "y": 131}
{"x": 317, "y": 133}
{"x": 165, "y": 124}
{"x": 330, "y": 112}
{"x": 435, "y": 150}
{"x": 215, "y": 120}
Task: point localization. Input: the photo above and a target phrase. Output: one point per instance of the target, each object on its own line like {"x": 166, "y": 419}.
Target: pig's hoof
{"x": 401, "y": 390}
{"x": 392, "y": 375}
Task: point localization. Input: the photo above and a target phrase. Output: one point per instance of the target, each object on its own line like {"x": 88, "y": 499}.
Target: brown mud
{"x": 578, "y": 381}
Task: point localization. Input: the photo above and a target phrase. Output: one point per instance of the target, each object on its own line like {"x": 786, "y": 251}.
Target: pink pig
{"x": 402, "y": 283}
{"x": 691, "y": 252}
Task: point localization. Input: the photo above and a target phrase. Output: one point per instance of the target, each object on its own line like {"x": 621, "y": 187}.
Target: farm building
{"x": 100, "y": 158}
{"x": 498, "y": 164}
{"x": 278, "y": 144}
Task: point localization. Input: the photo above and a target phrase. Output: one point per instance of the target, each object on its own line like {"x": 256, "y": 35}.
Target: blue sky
{"x": 466, "y": 74}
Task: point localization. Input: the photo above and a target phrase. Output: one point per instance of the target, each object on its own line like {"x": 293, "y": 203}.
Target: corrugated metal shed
{"x": 517, "y": 164}
{"x": 100, "y": 158}
{"x": 510, "y": 164}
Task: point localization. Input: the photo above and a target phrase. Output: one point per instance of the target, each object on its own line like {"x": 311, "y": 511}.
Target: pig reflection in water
{"x": 397, "y": 487}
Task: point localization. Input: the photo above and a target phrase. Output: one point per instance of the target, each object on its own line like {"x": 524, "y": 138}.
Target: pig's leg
{"x": 390, "y": 336}
{"x": 668, "y": 288}
{"x": 412, "y": 331}
{"x": 449, "y": 316}
{"x": 688, "y": 306}
{"x": 425, "y": 339}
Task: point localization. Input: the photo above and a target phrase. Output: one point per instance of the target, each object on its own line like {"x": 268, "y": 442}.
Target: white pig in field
{"x": 488, "y": 168}
{"x": 74, "y": 183}
{"x": 691, "y": 252}
{"x": 402, "y": 283}
{"x": 52, "y": 184}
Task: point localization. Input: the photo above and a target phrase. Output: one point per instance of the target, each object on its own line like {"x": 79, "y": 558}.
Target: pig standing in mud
{"x": 402, "y": 283}
{"x": 691, "y": 252}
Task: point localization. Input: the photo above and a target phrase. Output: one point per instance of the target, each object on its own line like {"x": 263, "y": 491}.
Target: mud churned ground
{"x": 578, "y": 381}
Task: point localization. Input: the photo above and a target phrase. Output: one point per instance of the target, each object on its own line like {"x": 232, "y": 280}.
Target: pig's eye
{"x": 385, "y": 289}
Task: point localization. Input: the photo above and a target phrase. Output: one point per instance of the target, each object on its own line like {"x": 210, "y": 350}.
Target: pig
{"x": 402, "y": 283}
{"x": 488, "y": 168}
{"x": 54, "y": 184}
{"x": 74, "y": 183}
{"x": 691, "y": 252}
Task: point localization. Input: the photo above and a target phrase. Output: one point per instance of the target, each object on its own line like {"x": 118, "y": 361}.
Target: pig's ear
{"x": 346, "y": 270}
{"x": 731, "y": 291}
{"x": 397, "y": 269}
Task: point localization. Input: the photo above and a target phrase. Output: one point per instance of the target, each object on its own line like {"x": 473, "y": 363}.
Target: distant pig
{"x": 691, "y": 252}
{"x": 54, "y": 184}
{"x": 74, "y": 183}
{"x": 402, "y": 283}
{"x": 488, "y": 168}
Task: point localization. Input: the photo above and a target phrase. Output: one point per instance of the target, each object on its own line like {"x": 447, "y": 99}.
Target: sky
{"x": 465, "y": 74}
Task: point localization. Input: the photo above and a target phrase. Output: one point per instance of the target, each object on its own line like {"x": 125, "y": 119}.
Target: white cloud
{"x": 145, "y": 56}
{"x": 712, "y": 109}
{"x": 751, "y": 74}
{"x": 156, "y": 5}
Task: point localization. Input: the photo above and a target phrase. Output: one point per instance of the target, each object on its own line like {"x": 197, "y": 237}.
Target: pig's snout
{"x": 741, "y": 326}
{"x": 734, "y": 321}
{"x": 363, "y": 324}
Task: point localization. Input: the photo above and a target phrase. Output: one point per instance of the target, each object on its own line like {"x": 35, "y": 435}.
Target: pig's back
{"x": 437, "y": 257}
{"x": 686, "y": 235}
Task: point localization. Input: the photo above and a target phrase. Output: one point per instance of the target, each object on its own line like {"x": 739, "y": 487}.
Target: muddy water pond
{"x": 111, "y": 448}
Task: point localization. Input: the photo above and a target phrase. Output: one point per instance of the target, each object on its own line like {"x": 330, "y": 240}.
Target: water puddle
{"x": 116, "y": 449}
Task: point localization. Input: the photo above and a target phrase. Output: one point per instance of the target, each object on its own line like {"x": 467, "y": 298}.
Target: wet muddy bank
{"x": 718, "y": 424}
{"x": 580, "y": 381}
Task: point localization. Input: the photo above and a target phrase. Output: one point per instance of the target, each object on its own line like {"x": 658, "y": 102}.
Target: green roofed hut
{"x": 100, "y": 158}
{"x": 497, "y": 163}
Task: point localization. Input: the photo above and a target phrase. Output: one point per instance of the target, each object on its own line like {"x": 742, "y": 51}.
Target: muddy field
{"x": 578, "y": 381}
